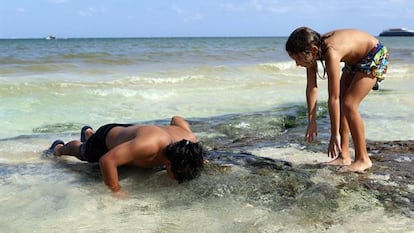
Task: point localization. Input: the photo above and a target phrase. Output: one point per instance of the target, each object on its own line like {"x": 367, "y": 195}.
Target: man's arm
{"x": 110, "y": 162}
{"x": 143, "y": 149}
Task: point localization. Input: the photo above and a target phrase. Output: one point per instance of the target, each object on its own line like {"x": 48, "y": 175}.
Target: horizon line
{"x": 132, "y": 37}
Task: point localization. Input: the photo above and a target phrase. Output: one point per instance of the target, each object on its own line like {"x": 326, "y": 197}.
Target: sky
{"x": 196, "y": 18}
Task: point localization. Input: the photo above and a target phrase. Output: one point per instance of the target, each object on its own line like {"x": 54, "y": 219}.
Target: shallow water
{"x": 240, "y": 95}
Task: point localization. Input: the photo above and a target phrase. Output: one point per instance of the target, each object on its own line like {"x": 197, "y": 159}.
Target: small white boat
{"x": 397, "y": 32}
{"x": 51, "y": 37}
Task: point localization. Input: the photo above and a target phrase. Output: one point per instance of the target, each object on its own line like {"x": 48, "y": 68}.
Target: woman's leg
{"x": 360, "y": 86}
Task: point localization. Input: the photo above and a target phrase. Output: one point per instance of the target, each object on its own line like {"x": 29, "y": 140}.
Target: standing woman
{"x": 366, "y": 61}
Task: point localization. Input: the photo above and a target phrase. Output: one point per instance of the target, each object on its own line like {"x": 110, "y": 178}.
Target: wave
{"x": 279, "y": 66}
{"x": 86, "y": 55}
{"x": 220, "y": 129}
{"x": 161, "y": 80}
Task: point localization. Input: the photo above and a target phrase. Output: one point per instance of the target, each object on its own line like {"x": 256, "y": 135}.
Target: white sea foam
{"x": 292, "y": 153}
{"x": 170, "y": 79}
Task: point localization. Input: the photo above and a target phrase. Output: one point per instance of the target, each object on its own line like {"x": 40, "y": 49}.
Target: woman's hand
{"x": 334, "y": 149}
{"x": 312, "y": 131}
{"x": 121, "y": 194}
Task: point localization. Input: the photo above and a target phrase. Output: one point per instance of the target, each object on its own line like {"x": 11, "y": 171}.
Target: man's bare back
{"x": 153, "y": 138}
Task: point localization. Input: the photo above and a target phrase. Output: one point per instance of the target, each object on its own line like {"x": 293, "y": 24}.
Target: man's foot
{"x": 49, "y": 152}
{"x": 338, "y": 162}
{"x": 358, "y": 167}
{"x": 85, "y": 133}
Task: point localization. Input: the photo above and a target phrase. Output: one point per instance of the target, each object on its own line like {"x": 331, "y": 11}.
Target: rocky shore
{"x": 391, "y": 178}
{"x": 389, "y": 184}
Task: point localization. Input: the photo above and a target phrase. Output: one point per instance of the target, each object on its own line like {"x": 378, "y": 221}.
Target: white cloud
{"x": 194, "y": 17}
{"x": 58, "y": 1}
{"x": 279, "y": 10}
{"x": 21, "y": 10}
{"x": 91, "y": 11}
{"x": 398, "y": 1}
{"x": 292, "y": 6}
{"x": 186, "y": 17}
{"x": 197, "y": 16}
{"x": 231, "y": 6}
{"x": 258, "y": 6}
{"x": 177, "y": 10}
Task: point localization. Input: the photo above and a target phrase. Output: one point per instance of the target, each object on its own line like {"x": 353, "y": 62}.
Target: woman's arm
{"x": 311, "y": 101}
{"x": 333, "y": 70}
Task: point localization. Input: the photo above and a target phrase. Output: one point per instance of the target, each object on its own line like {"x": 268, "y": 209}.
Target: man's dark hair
{"x": 186, "y": 159}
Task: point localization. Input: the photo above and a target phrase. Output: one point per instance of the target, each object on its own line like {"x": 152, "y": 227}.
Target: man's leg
{"x": 71, "y": 148}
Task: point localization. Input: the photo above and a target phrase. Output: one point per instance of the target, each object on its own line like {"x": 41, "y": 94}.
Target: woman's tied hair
{"x": 301, "y": 40}
{"x": 186, "y": 159}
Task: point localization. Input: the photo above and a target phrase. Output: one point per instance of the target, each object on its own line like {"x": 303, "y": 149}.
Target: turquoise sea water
{"x": 96, "y": 81}
{"x": 73, "y": 80}
{"x": 50, "y": 88}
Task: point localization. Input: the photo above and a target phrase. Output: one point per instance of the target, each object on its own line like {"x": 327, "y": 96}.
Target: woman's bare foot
{"x": 339, "y": 161}
{"x": 357, "y": 166}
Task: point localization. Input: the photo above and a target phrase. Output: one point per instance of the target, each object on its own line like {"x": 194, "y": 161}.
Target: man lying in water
{"x": 142, "y": 146}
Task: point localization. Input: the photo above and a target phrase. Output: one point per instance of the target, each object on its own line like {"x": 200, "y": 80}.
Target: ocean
{"x": 230, "y": 90}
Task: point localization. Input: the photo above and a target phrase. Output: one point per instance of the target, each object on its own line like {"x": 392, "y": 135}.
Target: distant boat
{"x": 397, "y": 32}
{"x": 51, "y": 37}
